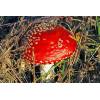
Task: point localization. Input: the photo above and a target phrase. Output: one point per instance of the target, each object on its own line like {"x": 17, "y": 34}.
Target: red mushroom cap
{"x": 50, "y": 46}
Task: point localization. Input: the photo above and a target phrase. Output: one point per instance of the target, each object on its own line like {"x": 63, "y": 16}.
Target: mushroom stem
{"x": 46, "y": 68}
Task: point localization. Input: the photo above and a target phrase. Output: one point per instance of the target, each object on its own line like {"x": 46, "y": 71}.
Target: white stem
{"x": 46, "y": 68}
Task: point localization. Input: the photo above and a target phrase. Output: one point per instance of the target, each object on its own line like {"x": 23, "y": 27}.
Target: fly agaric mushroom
{"x": 50, "y": 46}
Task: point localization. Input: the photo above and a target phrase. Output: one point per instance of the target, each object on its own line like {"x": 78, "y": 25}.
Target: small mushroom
{"x": 49, "y": 47}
